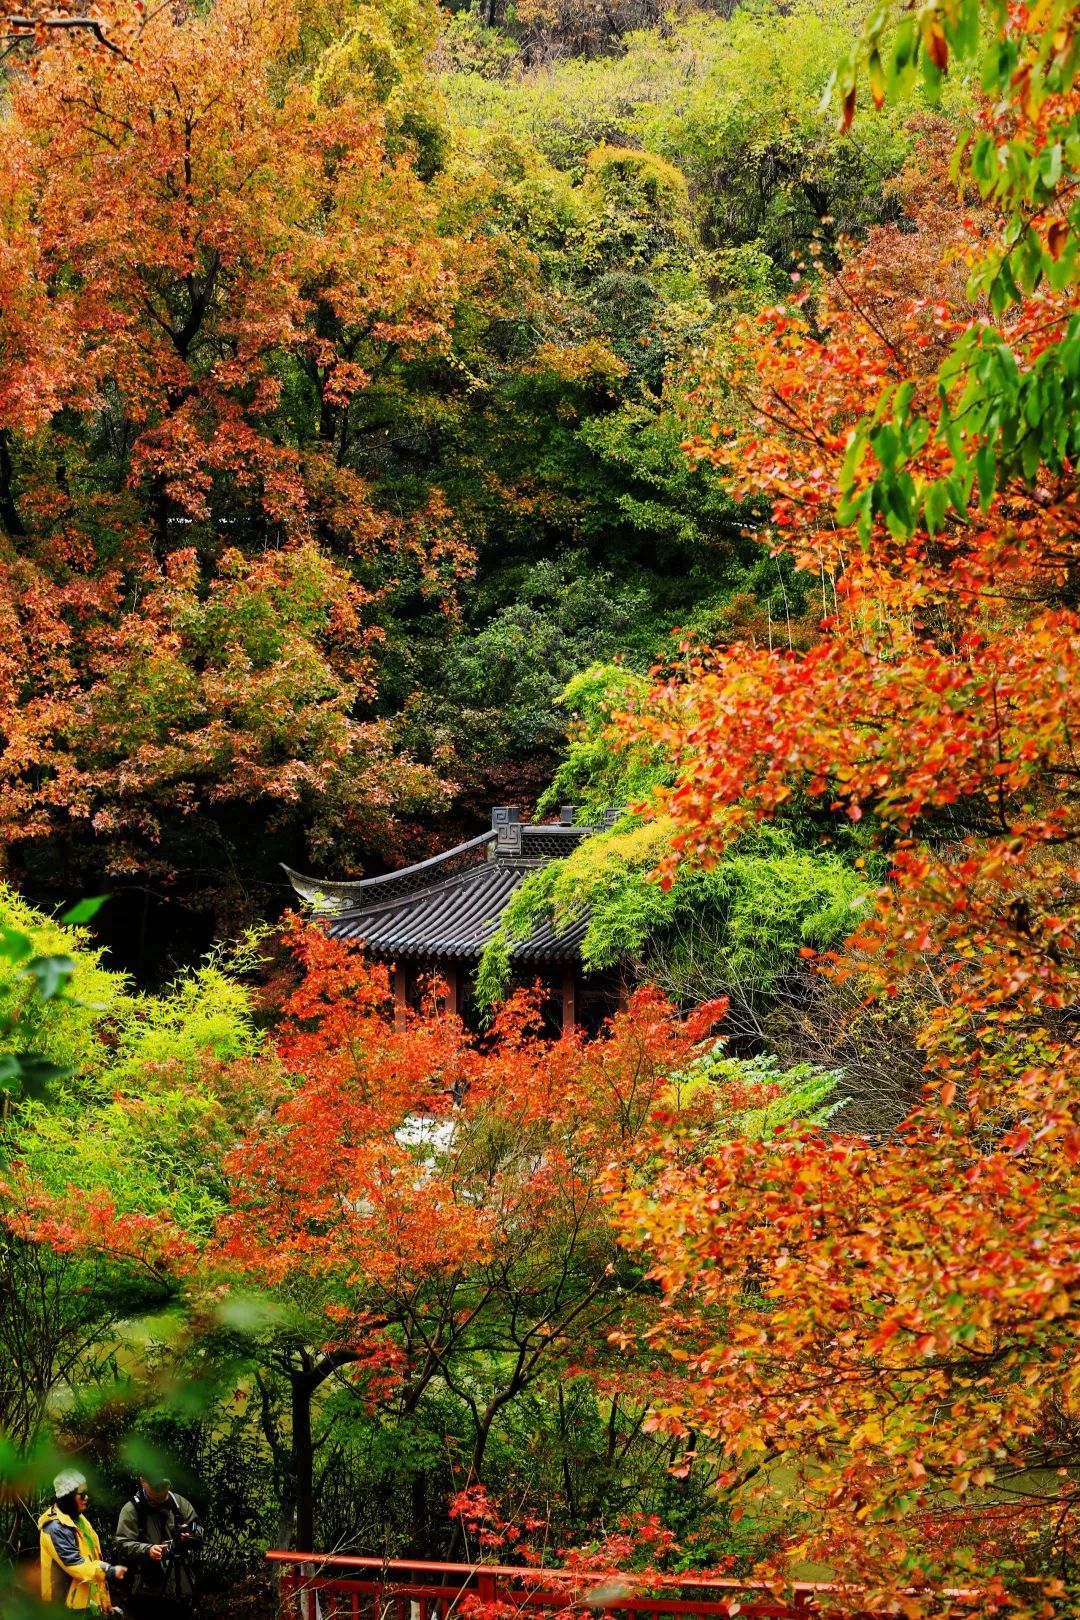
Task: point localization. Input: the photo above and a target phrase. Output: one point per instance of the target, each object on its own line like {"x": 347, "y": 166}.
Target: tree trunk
{"x": 304, "y": 1379}
{"x": 303, "y": 1461}
{"x": 419, "y": 1494}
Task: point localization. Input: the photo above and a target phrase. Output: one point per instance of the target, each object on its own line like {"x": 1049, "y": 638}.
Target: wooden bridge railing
{"x": 318, "y": 1586}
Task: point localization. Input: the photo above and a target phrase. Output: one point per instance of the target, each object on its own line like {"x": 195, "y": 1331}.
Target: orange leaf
{"x": 937, "y": 46}
{"x": 1056, "y": 237}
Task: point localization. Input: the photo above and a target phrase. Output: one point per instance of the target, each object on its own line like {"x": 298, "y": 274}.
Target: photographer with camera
{"x": 156, "y": 1534}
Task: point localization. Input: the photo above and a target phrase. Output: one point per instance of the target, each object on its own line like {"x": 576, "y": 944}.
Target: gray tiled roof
{"x": 448, "y": 908}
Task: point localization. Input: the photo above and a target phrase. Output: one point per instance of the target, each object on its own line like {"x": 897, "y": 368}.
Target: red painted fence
{"x": 317, "y": 1586}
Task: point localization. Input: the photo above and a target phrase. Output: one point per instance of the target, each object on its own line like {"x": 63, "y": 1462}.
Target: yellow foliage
{"x": 591, "y": 361}
{"x": 628, "y": 175}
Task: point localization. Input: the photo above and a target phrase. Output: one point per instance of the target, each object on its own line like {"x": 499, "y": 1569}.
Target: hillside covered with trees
{"x": 667, "y": 410}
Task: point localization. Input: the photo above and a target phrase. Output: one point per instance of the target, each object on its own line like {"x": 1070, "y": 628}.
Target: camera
{"x": 188, "y": 1534}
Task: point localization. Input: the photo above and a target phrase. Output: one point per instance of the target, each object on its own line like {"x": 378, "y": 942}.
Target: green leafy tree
{"x": 50, "y": 1000}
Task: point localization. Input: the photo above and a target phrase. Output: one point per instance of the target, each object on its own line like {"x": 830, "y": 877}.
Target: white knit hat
{"x": 66, "y": 1481}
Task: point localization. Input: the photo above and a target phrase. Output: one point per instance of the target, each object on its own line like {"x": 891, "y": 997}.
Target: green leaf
{"x": 959, "y": 489}
{"x": 38, "y": 1074}
{"x": 853, "y": 457}
{"x": 917, "y": 435}
{"x": 84, "y": 910}
{"x": 1050, "y": 166}
{"x": 14, "y": 945}
{"x": 932, "y": 78}
{"x": 29, "y": 1072}
{"x": 1031, "y": 458}
{"x": 898, "y": 515}
{"x": 935, "y": 506}
{"x": 901, "y": 63}
{"x": 902, "y": 402}
{"x": 886, "y": 446}
{"x": 249, "y": 1314}
{"x": 986, "y": 472}
{"x": 51, "y": 973}
{"x": 144, "y": 1459}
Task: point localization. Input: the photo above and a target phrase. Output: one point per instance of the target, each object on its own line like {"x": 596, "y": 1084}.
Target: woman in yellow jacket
{"x": 72, "y": 1569}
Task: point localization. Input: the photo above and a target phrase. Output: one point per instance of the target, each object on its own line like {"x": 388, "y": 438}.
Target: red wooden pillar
{"x": 450, "y": 974}
{"x": 569, "y": 999}
{"x": 400, "y": 995}
{"x": 487, "y": 1587}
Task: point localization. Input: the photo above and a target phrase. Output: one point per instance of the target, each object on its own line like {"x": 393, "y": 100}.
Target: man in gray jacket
{"x": 156, "y": 1531}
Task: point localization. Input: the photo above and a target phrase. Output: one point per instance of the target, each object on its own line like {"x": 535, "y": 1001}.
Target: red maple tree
{"x": 899, "y": 1375}
{"x": 432, "y": 1205}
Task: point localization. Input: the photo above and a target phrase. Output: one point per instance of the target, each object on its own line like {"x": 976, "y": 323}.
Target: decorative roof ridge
{"x": 502, "y": 843}
{"x": 313, "y": 889}
{"x": 378, "y": 904}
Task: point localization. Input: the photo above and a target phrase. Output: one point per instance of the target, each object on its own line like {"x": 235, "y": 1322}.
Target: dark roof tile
{"x": 449, "y": 907}
{"x": 455, "y": 919}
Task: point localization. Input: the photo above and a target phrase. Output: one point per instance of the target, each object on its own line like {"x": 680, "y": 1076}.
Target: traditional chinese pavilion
{"x": 438, "y": 916}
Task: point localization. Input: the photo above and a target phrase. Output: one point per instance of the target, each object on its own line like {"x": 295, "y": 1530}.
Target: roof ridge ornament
{"x": 506, "y": 824}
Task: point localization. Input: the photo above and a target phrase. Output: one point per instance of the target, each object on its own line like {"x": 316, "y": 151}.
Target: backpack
{"x": 152, "y": 1577}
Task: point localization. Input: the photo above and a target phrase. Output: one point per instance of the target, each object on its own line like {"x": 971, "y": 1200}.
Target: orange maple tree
{"x": 205, "y": 251}
{"x": 432, "y": 1204}
{"x": 899, "y": 1378}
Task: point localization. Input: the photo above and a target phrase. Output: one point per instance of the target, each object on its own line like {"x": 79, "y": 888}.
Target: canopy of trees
{"x": 670, "y": 407}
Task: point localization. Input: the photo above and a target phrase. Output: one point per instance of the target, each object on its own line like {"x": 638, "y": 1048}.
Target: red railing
{"x": 317, "y": 1586}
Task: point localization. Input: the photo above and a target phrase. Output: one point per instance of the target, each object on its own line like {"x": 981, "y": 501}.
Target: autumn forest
{"x": 661, "y": 417}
